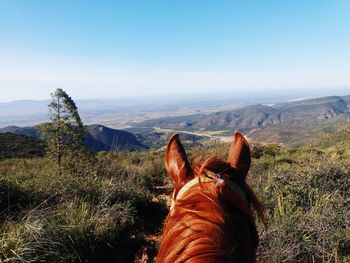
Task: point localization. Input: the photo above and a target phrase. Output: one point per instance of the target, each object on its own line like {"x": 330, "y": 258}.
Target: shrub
{"x": 101, "y": 216}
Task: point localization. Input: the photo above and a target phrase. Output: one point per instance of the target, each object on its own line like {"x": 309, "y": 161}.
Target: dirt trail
{"x": 148, "y": 252}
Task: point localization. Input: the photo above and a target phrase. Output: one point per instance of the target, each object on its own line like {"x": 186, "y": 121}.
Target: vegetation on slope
{"x": 12, "y": 145}
{"x": 107, "y": 211}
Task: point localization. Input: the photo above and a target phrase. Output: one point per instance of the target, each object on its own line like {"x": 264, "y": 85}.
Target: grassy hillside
{"x": 306, "y": 194}
{"x": 102, "y": 216}
{"x": 113, "y": 212}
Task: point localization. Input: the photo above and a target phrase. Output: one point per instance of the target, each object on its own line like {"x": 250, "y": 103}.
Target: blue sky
{"x": 101, "y": 49}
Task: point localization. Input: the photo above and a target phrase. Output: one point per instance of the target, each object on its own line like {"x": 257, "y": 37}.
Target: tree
{"x": 66, "y": 132}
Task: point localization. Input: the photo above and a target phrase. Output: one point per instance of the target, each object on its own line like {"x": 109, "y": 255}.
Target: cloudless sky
{"x": 105, "y": 49}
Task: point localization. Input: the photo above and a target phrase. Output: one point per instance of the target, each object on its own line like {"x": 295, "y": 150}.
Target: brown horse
{"x": 210, "y": 218}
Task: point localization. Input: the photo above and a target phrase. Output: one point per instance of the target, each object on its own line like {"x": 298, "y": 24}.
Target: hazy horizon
{"x": 278, "y": 95}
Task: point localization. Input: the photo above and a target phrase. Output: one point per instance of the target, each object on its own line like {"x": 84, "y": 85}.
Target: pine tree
{"x": 66, "y": 132}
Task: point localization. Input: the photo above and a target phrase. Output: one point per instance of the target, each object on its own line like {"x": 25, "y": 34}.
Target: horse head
{"x": 210, "y": 219}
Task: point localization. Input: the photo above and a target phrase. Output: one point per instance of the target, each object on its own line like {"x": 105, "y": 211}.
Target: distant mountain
{"x": 100, "y": 138}
{"x": 27, "y": 131}
{"x": 304, "y": 113}
{"x": 20, "y": 146}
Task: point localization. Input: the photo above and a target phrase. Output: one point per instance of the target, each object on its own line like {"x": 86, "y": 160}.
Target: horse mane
{"x": 197, "y": 227}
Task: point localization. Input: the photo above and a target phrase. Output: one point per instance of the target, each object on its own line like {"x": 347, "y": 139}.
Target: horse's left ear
{"x": 176, "y": 163}
{"x": 239, "y": 155}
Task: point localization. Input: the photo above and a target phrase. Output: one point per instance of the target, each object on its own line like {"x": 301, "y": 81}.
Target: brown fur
{"x": 204, "y": 226}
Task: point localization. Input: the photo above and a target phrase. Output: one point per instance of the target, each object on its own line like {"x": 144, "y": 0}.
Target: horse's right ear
{"x": 239, "y": 155}
{"x": 176, "y": 163}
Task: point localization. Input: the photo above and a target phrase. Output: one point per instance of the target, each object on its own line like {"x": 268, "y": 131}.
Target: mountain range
{"x": 290, "y": 122}
{"x": 299, "y": 113}
{"x": 293, "y": 123}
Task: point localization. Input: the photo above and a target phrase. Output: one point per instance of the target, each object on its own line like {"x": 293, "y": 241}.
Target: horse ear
{"x": 239, "y": 155}
{"x": 176, "y": 162}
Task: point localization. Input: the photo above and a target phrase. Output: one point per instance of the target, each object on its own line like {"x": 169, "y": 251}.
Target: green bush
{"x": 308, "y": 206}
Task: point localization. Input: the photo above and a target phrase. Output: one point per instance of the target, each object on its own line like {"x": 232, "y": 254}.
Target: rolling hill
{"x": 99, "y": 138}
